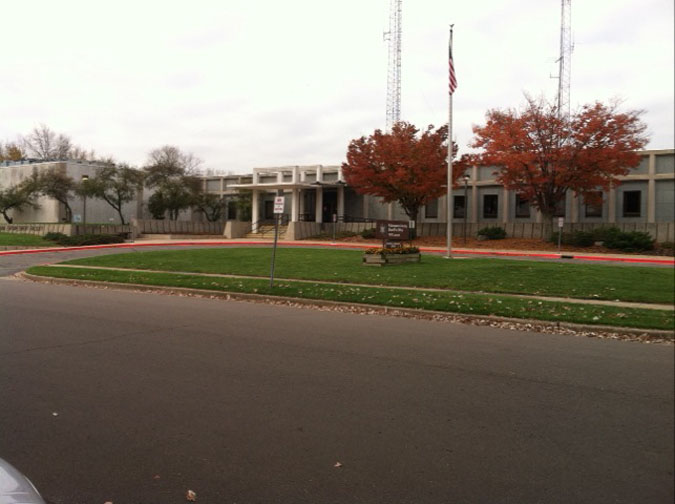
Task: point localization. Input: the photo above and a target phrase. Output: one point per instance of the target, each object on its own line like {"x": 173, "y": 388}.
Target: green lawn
{"x": 28, "y": 240}
{"x": 586, "y": 281}
{"x": 452, "y": 302}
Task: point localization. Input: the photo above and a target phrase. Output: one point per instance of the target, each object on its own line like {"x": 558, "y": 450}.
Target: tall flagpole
{"x": 452, "y": 86}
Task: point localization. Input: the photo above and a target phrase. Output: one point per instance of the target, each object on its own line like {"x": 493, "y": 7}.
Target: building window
{"x": 431, "y": 209}
{"x": 559, "y": 210}
{"x": 232, "y": 210}
{"x": 459, "y": 207}
{"x": 522, "y": 206}
{"x": 632, "y": 203}
{"x": 490, "y": 206}
{"x": 593, "y": 204}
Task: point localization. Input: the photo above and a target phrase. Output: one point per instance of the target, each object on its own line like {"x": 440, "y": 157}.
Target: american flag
{"x": 453, "y": 77}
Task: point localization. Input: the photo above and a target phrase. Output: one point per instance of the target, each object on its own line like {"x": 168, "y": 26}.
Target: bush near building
{"x": 610, "y": 237}
{"x": 492, "y": 233}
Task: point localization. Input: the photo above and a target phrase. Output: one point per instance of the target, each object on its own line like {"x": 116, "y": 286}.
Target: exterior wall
{"x": 664, "y": 163}
{"x": 665, "y": 201}
{"x": 654, "y": 177}
{"x": 98, "y": 211}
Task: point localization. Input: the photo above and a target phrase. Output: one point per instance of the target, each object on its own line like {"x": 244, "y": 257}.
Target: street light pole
{"x": 466, "y": 204}
{"x": 85, "y": 178}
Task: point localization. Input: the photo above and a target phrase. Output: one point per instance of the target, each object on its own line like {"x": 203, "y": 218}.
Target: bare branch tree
{"x": 43, "y": 143}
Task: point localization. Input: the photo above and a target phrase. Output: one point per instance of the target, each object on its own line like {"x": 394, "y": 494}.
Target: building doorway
{"x": 329, "y": 205}
{"x": 268, "y": 210}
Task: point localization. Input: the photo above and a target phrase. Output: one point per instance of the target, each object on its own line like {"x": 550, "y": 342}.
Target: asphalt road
{"x": 135, "y": 398}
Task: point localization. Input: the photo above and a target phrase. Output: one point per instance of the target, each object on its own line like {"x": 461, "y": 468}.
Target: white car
{"x": 15, "y": 488}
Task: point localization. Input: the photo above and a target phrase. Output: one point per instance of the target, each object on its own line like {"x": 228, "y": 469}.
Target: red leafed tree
{"x": 401, "y": 166}
{"x": 542, "y": 155}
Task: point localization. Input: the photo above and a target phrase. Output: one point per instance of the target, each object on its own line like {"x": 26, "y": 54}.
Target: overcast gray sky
{"x": 250, "y": 83}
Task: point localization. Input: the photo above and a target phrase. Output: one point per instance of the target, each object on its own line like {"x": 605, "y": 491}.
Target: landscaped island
{"x": 508, "y": 288}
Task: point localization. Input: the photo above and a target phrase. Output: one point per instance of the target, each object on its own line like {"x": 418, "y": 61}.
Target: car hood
{"x": 15, "y": 488}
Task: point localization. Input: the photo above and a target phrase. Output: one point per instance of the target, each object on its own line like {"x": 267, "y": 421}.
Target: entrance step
{"x": 266, "y": 232}
{"x": 153, "y": 236}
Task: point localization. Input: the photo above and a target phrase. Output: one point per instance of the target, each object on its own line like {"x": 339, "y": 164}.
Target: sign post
{"x": 334, "y": 226}
{"x": 278, "y": 210}
{"x": 561, "y": 223}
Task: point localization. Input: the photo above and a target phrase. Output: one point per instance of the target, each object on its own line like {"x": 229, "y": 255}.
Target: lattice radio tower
{"x": 393, "y": 36}
{"x": 565, "y": 60}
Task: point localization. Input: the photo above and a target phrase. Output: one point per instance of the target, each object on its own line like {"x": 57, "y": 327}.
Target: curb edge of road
{"x": 600, "y": 331}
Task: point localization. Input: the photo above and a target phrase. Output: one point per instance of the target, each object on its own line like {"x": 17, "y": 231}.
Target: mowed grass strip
{"x": 23, "y": 240}
{"x": 585, "y": 281}
{"x": 474, "y": 304}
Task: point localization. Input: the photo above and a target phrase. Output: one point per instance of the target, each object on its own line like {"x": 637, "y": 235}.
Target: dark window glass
{"x": 490, "y": 206}
{"x": 459, "y": 207}
{"x": 522, "y": 206}
{"x": 559, "y": 208}
{"x": 632, "y": 203}
{"x": 594, "y": 205}
{"x": 232, "y": 210}
{"x": 431, "y": 209}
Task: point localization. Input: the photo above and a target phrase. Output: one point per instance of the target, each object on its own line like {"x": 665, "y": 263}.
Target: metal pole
{"x": 560, "y": 230}
{"x": 449, "y": 195}
{"x": 466, "y": 205}
{"x": 274, "y": 249}
{"x": 84, "y": 180}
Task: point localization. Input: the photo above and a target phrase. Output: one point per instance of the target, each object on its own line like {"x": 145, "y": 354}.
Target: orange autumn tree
{"x": 401, "y": 166}
{"x": 541, "y": 155}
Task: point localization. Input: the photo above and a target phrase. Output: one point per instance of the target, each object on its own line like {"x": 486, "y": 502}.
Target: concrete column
{"x": 340, "y": 200}
{"x": 651, "y": 190}
{"x": 295, "y": 204}
{"x": 366, "y": 207}
{"x": 301, "y": 201}
{"x": 256, "y": 177}
{"x": 255, "y": 207}
{"x": 295, "y": 174}
{"x": 280, "y": 177}
{"x": 319, "y": 173}
{"x": 318, "y": 208}
{"x": 574, "y": 216}
{"x": 474, "y": 196}
{"x": 538, "y": 217}
{"x": 390, "y": 211}
{"x": 611, "y": 206}
{"x": 505, "y": 206}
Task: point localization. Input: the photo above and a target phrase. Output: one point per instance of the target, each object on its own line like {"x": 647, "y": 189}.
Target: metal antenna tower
{"x": 394, "y": 67}
{"x": 565, "y": 60}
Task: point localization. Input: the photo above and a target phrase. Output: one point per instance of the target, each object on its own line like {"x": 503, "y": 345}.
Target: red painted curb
{"x": 670, "y": 262}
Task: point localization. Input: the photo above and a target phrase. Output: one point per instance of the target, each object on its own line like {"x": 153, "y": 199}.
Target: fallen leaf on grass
{"x": 191, "y": 496}
{"x": 337, "y": 464}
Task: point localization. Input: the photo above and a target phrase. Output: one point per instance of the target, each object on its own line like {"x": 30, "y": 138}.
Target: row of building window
{"x": 632, "y": 206}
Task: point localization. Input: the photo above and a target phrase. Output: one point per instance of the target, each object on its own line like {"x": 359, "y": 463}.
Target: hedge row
{"x": 85, "y": 239}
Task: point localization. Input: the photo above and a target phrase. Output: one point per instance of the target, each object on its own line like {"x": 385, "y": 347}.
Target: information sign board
{"x": 392, "y": 230}
{"x": 279, "y": 204}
